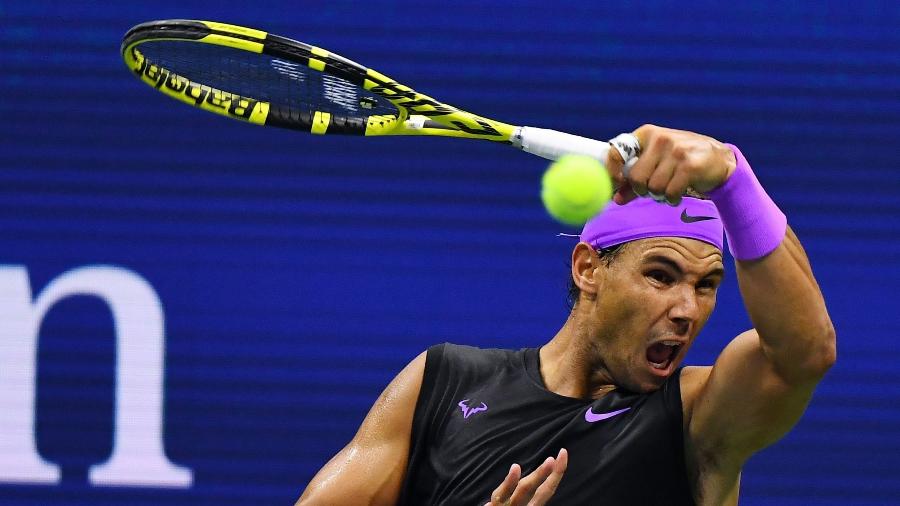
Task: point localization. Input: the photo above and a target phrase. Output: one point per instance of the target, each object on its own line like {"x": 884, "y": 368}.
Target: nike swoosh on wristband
{"x": 592, "y": 417}
{"x": 692, "y": 219}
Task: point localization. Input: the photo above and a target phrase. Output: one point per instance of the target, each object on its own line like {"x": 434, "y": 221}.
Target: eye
{"x": 660, "y": 276}
{"x": 708, "y": 284}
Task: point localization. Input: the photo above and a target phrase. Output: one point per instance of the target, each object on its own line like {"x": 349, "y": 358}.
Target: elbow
{"x": 818, "y": 355}
{"x": 830, "y": 354}
{"x": 823, "y": 352}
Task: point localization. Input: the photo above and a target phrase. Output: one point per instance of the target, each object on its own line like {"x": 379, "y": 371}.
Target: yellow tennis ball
{"x": 575, "y": 188}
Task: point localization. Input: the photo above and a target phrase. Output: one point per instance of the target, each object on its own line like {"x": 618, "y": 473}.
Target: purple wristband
{"x": 753, "y": 223}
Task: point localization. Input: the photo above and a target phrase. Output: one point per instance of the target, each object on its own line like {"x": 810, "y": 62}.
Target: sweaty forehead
{"x": 682, "y": 250}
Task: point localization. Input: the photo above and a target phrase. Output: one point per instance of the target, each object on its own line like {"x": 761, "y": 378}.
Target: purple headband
{"x": 642, "y": 218}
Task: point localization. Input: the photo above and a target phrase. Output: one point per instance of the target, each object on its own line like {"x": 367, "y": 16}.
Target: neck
{"x": 571, "y": 364}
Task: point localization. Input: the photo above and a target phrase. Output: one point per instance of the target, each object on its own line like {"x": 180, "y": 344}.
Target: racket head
{"x": 266, "y": 79}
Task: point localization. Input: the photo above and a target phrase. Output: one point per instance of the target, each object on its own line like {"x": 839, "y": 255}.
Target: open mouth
{"x": 661, "y": 355}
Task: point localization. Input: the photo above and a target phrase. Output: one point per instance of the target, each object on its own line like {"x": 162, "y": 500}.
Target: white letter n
{"x": 137, "y": 458}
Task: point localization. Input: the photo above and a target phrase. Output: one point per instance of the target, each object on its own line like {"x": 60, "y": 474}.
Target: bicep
{"x": 370, "y": 469}
{"x": 742, "y": 404}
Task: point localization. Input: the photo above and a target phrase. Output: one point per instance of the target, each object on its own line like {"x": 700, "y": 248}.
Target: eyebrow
{"x": 718, "y": 271}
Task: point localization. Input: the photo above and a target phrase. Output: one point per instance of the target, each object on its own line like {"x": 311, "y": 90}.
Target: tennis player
{"x": 604, "y": 413}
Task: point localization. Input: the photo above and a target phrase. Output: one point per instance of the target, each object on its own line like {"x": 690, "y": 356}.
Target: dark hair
{"x": 607, "y": 255}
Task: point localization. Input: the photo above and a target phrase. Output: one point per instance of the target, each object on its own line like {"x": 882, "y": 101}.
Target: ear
{"x": 585, "y": 268}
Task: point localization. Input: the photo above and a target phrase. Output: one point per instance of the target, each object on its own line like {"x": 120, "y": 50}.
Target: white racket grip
{"x": 552, "y": 144}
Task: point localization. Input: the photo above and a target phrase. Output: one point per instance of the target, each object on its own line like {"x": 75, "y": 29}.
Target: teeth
{"x": 671, "y": 343}
{"x": 658, "y": 366}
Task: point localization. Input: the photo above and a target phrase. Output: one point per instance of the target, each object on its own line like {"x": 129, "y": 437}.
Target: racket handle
{"x": 552, "y": 144}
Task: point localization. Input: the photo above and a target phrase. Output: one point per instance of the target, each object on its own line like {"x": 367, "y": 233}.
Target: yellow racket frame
{"x": 419, "y": 114}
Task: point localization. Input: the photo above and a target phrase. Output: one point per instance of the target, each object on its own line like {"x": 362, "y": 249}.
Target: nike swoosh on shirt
{"x": 592, "y": 417}
{"x": 692, "y": 219}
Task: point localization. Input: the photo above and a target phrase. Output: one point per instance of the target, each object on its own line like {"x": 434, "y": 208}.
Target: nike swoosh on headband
{"x": 592, "y": 417}
{"x": 692, "y": 219}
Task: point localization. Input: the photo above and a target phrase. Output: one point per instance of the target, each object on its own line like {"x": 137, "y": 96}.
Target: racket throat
{"x": 419, "y": 122}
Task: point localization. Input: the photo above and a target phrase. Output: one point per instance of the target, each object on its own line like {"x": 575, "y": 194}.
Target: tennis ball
{"x": 575, "y": 188}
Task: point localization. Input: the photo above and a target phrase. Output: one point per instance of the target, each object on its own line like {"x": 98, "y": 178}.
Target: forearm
{"x": 788, "y": 311}
{"x": 777, "y": 283}
{"x": 357, "y": 476}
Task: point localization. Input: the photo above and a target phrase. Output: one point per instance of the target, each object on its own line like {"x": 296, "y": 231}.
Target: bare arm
{"x": 370, "y": 469}
{"x": 763, "y": 380}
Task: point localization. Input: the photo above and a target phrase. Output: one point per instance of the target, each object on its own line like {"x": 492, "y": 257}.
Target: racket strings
{"x": 280, "y": 82}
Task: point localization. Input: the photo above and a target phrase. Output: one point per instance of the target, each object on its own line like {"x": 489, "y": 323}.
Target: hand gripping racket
{"x": 270, "y": 80}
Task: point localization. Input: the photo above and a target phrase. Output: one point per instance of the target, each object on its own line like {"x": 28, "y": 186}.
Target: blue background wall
{"x": 299, "y": 274}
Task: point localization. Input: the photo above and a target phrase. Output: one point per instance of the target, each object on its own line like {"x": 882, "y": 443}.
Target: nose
{"x": 685, "y": 310}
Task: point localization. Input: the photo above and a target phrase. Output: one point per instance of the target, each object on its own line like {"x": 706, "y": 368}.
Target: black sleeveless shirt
{"x": 479, "y": 411}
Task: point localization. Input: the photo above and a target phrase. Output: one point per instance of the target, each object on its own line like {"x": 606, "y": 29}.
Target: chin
{"x": 650, "y": 386}
{"x": 650, "y": 378}
{"x": 642, "y": 384}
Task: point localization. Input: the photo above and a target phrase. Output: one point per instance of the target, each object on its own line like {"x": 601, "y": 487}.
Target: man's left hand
{"x": 533, "y": 490}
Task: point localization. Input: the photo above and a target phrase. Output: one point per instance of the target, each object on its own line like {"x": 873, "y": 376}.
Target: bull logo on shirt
{"x": 468, "y": 411}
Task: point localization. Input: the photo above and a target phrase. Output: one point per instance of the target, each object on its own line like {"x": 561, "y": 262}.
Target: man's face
{"x": 651, "y": 303}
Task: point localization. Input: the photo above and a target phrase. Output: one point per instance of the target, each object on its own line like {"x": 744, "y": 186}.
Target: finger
{"x": 645, "y": 133}
{"x": 614, "y": 167}
{"x": 659, "y": 181}
{"x": 677, "y": 187}
{"x": 643, "y": 169}
{"x": 548, "y": 488}
{"x": 502, "y": 493}
{"x": 527, "y": 485}
{"x": 624, "y": 194}
{"x": 562, "y": 461}
{"x": 656, "y": 145}
{"x": 641, "y": 172}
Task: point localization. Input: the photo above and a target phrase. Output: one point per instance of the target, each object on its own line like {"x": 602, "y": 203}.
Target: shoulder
{"x": 459, "y": 354}
{"x": 461, "y": 359}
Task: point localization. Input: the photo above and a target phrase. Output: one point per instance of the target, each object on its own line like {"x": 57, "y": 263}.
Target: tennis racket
{"x": 265, "y": 79}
